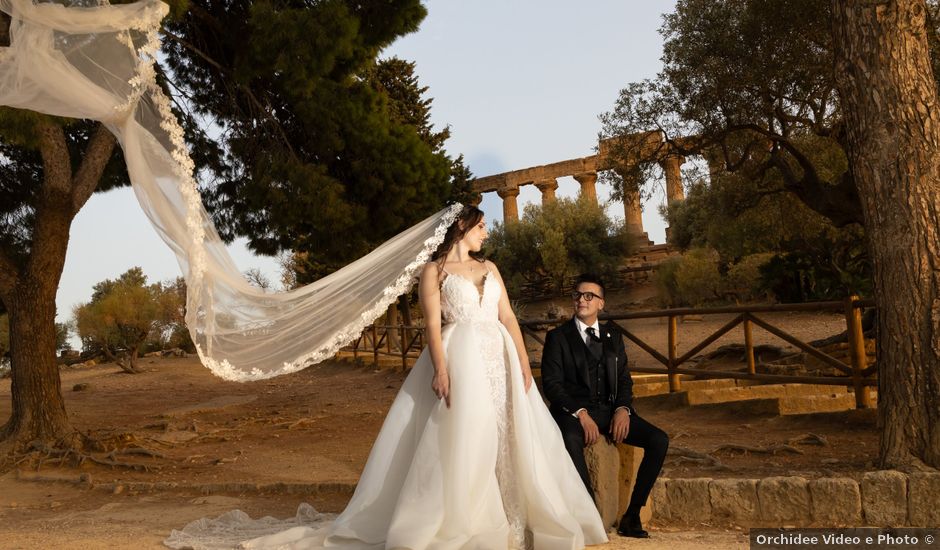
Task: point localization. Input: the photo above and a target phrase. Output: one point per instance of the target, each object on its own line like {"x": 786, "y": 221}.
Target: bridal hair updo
{"x": 467, "y": 219}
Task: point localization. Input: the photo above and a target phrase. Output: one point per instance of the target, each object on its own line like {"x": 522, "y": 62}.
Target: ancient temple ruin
{"x": 584, "y": 170}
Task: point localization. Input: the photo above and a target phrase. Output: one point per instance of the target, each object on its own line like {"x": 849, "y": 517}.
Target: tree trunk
{"x": 889, "y": 100}
{"x": 130, "y": 366}
{"x": 38, "y": 406}
{"x": 28, "y": 286}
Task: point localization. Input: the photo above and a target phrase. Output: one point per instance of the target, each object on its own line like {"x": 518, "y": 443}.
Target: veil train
{"x": 96, "y": 62}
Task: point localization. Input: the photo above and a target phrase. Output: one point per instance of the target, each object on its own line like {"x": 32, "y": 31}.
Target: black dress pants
{"x": 642, "y": 434}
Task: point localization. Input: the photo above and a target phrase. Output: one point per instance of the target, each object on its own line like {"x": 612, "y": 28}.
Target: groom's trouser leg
{"x": 654, "y": 443}
{"x": 573, "y": 435}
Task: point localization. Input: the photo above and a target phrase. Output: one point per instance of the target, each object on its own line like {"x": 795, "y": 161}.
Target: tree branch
{"x": 265, "y": 110}
{"x": 96, "y": 158}
{"x": 57, "y": 167}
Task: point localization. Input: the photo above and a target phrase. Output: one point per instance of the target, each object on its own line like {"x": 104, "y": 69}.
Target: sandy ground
{"x": 60, "y": 516}
{"x": 317, "y": 427}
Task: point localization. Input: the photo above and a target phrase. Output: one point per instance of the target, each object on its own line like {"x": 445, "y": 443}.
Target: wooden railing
{"x": 857, "y": 373}
{"x": 376, "y": 340}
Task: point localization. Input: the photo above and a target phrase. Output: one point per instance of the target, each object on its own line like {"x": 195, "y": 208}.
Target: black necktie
{"x": 594, "y": 343}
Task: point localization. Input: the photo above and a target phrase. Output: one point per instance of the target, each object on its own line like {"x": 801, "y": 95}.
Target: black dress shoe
{"x": 630, "y": 526}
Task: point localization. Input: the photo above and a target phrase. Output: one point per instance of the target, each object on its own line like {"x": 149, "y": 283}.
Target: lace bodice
{"x": 461, "y": 300}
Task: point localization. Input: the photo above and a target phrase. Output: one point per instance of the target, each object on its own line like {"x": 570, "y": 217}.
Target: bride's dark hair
{"x": 466, "y": 220}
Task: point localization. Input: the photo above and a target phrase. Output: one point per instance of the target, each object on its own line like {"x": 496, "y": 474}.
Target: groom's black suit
{"x": 575, "y": 377}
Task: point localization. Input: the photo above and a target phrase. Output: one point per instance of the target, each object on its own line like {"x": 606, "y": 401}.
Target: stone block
{"x": 784, "y": 501}
{"x": 658, "y": 503}
{"x": 603, "y": 463}
{"x": 734, "y": 501}
{"x": 837, "y": 502}
{"x": 630, "y": 458}
{"x": 884, "y": 498}
{"x": 923, "y": 499}
{"x": 689, "y": 501}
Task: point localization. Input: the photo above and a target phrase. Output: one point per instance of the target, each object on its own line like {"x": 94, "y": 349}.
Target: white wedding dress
{"x": 490, "y": 472}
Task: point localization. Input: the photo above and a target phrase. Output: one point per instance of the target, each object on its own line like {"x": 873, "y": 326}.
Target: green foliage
{"x": 62, "y": 331}
{"x": 813, "y": 260}
{"x": 557, "y": 241}
{"x": 126, "y": 313}
{"x": 744, "y": 281}
{"x": 698, "y": 278}
{"x": 752, "y": 83}
{"x": 690, "y": 280}
{"x": 319, "y": 140}
{"x": 828, "y": 267}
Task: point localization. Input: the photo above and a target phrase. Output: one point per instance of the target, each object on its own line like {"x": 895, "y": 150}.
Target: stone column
{"x": 588, "y": 181}
{"x": 510, "y": 208}
{"x": 672, "y": 166}
{"x": 547, "y": 187}
{"x": 632, "y": 208}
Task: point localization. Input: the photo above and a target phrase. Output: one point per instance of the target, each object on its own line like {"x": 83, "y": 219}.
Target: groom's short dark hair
{"x": 590, "y": 278}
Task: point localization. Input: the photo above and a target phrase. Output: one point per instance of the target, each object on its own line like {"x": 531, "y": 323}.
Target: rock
{"x": 658, "y": 503}
{"x": 923, "y": 498}
{"x": 734, "y": 501}
{"x": 603, "y": 463}
{"x": 784, "y": 501}
{"x": 630, "y": 458}
{"x": 689, "y": 501}
{"x": 81, "y": 387}
{"x": 118, "y": 489}
{"x": 884, "y": 498}
{"x": 837, "y": 502}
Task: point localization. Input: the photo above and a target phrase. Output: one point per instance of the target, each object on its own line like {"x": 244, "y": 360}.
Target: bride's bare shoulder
{"x": 431, "y": 271}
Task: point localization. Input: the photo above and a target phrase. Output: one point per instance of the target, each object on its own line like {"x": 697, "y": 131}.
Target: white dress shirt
{"x": 582, "y": 328}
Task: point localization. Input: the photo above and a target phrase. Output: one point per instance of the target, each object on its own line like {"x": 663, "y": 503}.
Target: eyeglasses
{"x": 588, "y": 296}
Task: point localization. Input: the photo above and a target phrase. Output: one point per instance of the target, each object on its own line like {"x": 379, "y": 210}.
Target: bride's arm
{"x": 429, "y": 293}
{"x": 508, "y": 319}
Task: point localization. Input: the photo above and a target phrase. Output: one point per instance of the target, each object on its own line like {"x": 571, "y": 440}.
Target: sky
{"x": 520, "y": 82}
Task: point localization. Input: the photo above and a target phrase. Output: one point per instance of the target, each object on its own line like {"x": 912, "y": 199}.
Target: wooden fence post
{"x": 749, "y": 346}
{"x": 404, "y": 348}
{"x": 375, "y": 346}
{"x": 673, "y": 349}
{"x": 857, "y": 353}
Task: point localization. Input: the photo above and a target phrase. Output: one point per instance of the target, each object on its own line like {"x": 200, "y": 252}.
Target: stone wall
{"x": 882, "y": 499}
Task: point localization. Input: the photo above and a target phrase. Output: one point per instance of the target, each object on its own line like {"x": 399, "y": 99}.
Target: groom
{"x": 585, "y": 376}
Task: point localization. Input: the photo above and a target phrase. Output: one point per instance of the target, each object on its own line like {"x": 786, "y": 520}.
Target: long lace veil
{"x": 97, "y": 62}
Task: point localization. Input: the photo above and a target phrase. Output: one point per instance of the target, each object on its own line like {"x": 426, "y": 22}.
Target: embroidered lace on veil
{"x": 96, "y": 61}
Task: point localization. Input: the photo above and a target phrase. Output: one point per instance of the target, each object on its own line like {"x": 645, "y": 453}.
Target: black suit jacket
{"x": 565, "y": 368}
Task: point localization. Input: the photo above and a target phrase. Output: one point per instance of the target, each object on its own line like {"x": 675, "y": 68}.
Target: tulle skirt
{"x": 431, "y": 480}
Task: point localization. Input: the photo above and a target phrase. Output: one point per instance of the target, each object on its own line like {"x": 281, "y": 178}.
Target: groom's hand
{"x": 591, "y": 432}
{"x": 620, "y": 426}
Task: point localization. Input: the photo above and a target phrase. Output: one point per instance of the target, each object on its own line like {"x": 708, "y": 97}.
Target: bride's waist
{"x": 475, "y": 322}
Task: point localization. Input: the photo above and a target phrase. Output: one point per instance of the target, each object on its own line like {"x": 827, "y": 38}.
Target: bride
{"x": 468, "y": 456}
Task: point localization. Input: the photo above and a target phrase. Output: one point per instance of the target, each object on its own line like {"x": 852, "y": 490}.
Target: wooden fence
{"x": 377, "y": 341}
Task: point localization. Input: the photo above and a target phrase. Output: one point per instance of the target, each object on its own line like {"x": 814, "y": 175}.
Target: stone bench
{"x": 613, "y": 472}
